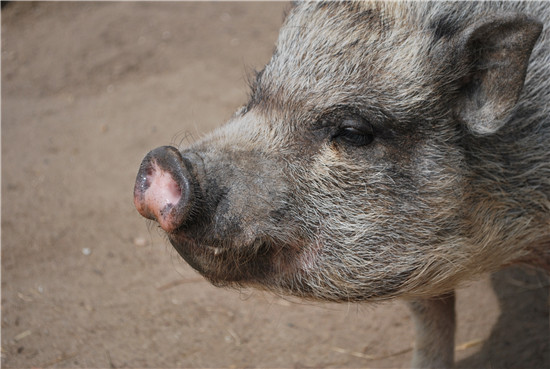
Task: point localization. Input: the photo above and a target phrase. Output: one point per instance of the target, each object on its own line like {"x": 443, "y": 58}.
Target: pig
{"x": 388, "y": 149}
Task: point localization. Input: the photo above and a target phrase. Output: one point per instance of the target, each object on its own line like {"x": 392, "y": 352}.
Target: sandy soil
{"x": 87, "y": 90}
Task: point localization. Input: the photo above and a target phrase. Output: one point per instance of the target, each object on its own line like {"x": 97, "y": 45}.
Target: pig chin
{"x": 259, "y": 262}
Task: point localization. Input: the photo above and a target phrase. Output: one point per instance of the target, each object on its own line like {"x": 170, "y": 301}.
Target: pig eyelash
{"x": 355, "y": 132}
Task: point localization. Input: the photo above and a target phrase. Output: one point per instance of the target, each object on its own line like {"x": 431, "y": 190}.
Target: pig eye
{"x": 356, "y": 132}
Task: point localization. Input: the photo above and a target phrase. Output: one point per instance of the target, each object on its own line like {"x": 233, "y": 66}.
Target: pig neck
{"x": 508, "y": 201}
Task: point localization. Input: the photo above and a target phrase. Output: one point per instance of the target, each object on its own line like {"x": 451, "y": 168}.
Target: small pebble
{"x": 86, "y": 251}
{"x": 140, "y": 241}
{"x": 22, "y": 335}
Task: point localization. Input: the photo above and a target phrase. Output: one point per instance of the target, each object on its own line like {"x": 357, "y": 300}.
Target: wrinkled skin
{"x": 386, "y": 150}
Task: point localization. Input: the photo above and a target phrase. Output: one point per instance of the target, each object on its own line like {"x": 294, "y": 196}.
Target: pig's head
{"x": 344, "y": 177}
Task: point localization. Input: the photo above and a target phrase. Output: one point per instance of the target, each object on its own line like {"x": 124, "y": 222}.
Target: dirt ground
{"x": 87, "y": 90}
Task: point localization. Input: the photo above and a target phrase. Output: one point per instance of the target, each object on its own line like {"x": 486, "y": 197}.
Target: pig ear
{"x": 496, "y": 52}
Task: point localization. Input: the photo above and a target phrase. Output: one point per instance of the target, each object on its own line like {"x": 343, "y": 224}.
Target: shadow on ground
{"x": 521, "y": 336}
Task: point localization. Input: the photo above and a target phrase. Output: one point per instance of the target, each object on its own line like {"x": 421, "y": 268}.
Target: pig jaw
{"x": 260, "y": 264}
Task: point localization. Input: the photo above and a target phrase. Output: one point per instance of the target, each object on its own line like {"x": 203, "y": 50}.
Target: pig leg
{"x": 434, "y": 320}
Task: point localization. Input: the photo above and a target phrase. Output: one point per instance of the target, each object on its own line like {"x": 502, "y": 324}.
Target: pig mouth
{"x": 258, "y": 261}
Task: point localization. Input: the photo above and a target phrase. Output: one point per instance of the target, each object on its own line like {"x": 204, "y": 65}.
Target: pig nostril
{"x": 149, "y": 172}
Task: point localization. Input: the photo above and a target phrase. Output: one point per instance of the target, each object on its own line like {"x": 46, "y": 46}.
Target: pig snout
{"x": 165, "y": 188}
